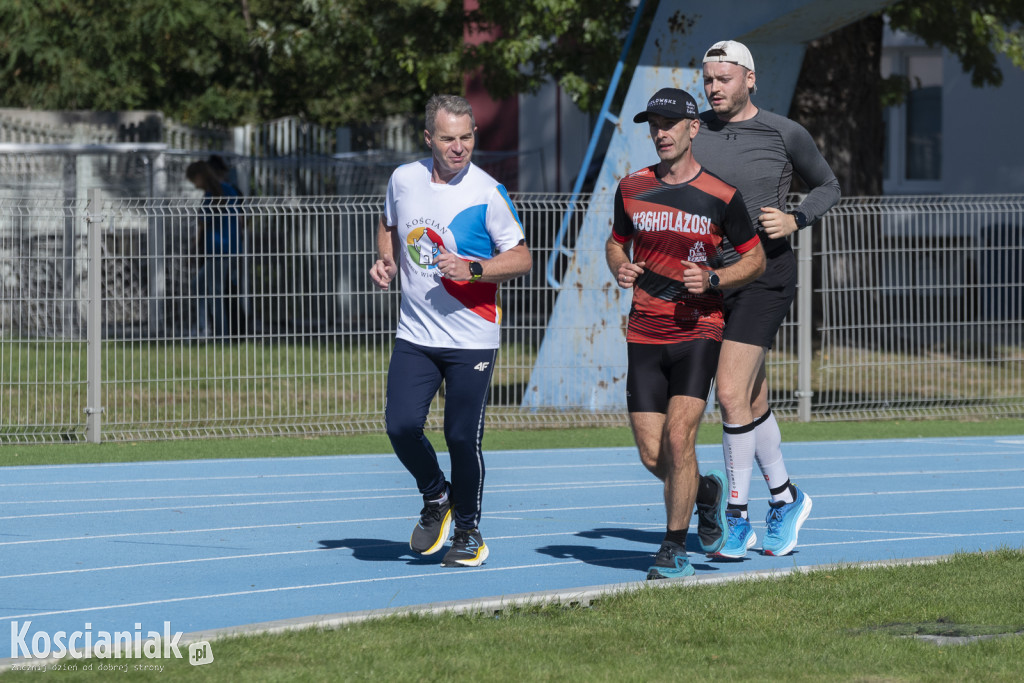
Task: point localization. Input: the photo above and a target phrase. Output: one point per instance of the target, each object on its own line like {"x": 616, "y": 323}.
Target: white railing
{"x": 915, "y": 310}
{"x": 283, "y": 137}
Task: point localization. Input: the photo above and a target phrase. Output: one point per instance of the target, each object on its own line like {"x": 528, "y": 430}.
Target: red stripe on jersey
{"x": 714, "y": 186}
{"x": 748, "y": 245}
{"x": 478, "y": 297}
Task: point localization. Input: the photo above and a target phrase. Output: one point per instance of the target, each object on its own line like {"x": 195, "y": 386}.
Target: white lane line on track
{"x": 298, "y": 501}
{"x": 600, "y": 450}
{"x": 498, "y": 513}
{"x": 495, "y": 515}
{"x": 503, "y": 488}
{"x": 228, "y": 558}
{"x": 434, "y": 575}
{"x": 858, "y": 541}
{"x": 631, "y": 462}
{"x": 295, "y": 475}
{"x": 172, "y": 532}
{"x": 923, "y": 535}
{"x": 281, "y": 589}
{"x": 828, "y": 530}
{"x": 899, "y": 456}
{"x": 493, "y": 488}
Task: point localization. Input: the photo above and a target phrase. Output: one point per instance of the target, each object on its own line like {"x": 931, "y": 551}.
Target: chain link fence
{"x": 917, "y": 312}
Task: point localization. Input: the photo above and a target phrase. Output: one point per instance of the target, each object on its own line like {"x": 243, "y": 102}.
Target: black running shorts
{"x": 657, "y": 372}
{"x": 754, "y": 312}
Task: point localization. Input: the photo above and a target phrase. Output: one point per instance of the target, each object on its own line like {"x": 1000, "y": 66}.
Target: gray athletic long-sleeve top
{"x": 758, "y": 156}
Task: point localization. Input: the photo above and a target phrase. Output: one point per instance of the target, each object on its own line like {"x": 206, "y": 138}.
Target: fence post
{"x": 804, "y": 321}
{"x": 94, "y": 319}
{"x": 155, "y": 247}
{"x": 69, "y": 180}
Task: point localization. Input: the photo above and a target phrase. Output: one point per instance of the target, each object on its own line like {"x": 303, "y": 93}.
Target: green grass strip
{"x": 590, "y": 437}
{"x": 834, "y": 624}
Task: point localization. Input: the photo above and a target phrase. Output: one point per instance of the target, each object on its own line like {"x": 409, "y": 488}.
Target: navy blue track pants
{"x": 414, "y": 377}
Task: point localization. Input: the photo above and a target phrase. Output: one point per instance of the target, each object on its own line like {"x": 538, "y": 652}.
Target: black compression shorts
{"x": 657, "y": 372}
{"x": 754, "y": 312}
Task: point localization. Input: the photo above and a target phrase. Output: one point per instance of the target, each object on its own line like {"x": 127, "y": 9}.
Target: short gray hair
{"x": 453, "y": 104}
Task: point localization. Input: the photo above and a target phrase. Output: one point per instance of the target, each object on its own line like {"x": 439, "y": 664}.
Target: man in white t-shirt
{"x": 452, "y": 231}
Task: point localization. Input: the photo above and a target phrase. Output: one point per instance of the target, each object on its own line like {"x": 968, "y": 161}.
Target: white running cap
{"x": 730, "y": 51}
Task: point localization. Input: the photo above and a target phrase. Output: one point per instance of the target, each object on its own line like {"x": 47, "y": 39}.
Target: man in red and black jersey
{"x": 673, "y": 216}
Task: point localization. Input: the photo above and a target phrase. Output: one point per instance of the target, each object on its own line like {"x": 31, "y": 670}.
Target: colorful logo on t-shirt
{"x": 424, "y": 247}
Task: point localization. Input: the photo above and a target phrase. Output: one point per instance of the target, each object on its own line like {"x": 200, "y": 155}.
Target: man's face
{"x": 727, "y": 88}
{"x": 671, "y": 137}
{"x": 452, "y": 143}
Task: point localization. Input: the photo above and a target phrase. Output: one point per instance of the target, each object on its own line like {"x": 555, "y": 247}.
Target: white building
{"x": 950, "y": 137}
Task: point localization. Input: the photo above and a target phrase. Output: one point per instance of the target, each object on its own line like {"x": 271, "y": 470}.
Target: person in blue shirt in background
{"x": 217, "y": 241}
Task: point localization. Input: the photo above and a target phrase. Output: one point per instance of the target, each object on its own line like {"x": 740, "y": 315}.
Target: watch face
{"x": 713, "y": 280}
{"x": 476, "y": 269}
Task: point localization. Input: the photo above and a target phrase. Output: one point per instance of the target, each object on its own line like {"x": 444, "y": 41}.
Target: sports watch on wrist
{"x": 800, "y": 218}
{"x": 713, "y": 280}
{"x": 476, "y": 271}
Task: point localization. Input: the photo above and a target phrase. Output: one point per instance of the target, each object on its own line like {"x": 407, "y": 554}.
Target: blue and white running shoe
{"x": 784, "y": 522}
{"x": 741, "y": 537}
{"x": 670, "y": 563}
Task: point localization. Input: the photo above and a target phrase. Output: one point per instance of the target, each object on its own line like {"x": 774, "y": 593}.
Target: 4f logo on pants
{"x": 480, "y": 367}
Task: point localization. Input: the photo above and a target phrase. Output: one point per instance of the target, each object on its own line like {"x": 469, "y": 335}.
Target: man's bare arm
{"x": 385, "y": 269}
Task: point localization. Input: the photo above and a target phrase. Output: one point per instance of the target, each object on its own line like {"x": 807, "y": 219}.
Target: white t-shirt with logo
{"x": 472, "y": 216}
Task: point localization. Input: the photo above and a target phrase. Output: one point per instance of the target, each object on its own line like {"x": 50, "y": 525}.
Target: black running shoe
{"x": 712, "y": 528}
{"x": 432, "y": 530}
{"x": 468, "y": 549}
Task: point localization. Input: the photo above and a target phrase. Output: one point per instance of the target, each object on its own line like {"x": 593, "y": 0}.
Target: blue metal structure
{"x": 605, "y": 116}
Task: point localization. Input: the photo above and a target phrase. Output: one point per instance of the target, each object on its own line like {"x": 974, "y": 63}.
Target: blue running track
{"x": 221, "y": 544}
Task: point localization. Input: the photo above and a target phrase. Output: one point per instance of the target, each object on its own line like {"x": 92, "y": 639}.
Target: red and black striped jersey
{"x": 669, "y": 224}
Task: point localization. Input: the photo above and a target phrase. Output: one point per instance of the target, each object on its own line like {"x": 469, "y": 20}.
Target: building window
{"x": 913, "y": 129}
{"x": 924, "y": 117}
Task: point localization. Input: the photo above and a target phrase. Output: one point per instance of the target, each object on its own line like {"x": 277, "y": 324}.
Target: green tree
{"x": 331, "y": 61}
{"x": 147, "y": 54}
{"x": 976, "y": 32}
{"x": 575, "y": 42}
{"x": 840, "y": 93}
{"x": 348, "y": 61}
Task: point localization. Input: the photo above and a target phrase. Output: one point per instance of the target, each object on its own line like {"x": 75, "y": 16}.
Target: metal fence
{"x": 921, "y": 309}
{"x": 135, "y": 170}
{"x": 912, "y": 309}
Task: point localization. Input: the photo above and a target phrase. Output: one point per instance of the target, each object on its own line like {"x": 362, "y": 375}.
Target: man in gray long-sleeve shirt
{"x": 758, "y": 152}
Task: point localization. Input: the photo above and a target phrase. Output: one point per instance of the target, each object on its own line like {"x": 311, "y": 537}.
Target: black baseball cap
{"x": 672, "y": 103}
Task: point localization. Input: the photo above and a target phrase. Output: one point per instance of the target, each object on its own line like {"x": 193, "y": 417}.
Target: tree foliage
{"x": 575, "y": 42}
{"x": 840, "y": 94}
{"x": 331, "y": 61}
{"x": 976, "y": 32}
{"x": 147, "y": 54}
{"x": 348, "y": 61}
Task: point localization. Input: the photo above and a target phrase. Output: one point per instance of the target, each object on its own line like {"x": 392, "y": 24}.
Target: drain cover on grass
{"x": 944, "y": 632}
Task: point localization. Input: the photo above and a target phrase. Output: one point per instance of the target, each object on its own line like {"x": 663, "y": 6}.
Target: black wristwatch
{"x": 801, "y": 219}
{"x": 476, "y": 271}
{"x": 713, "y": 280}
